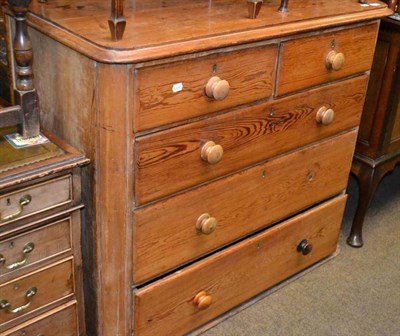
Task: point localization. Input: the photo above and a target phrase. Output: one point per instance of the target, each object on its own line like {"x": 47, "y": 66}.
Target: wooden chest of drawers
{"x": 220, "y": 151}
{"x": 41, "y": 288}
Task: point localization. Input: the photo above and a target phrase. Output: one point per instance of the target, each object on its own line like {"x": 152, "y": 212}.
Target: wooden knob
{"x": 206, "y": 224}
{"x": 304, "y": 247}
{"x": 217, "y": 88}
{"x": 211, "y": 152}
{"x": 325, "y": 116}
{"x": 202, "y": 300}
{"x": 335, "y": 60}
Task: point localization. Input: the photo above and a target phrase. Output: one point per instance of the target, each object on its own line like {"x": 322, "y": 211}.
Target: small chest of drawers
{"x": 41, "y": 290}
{"x": 220, "y": 147}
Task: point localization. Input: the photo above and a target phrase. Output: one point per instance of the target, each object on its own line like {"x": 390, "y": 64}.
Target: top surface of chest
{"x": 177, "y": 27}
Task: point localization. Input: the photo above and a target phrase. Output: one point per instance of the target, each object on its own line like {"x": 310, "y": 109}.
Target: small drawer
{"x": 175, "y": 231}
{"x": 27, "y": 294}
{"x": 35, "y": 199}
{"x": 35, "y": 246}
{"x": 319, "y": 59}
{"x": 174, "y": 92}
{"x": 203, "y": 291}
{"x": 185, "y": 156}
{"x": 61, "y": 321}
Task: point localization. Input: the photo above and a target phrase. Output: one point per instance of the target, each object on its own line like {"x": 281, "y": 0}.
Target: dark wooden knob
{"x": 325, "y": 116}
{"x": 206, "y": 224}
{"x": 202, "y": 300}
{"x": 335, "y": 60}
{"x": 217, "y": 88}
{"x": 211, "y": 152}
{"x": 304, "y": 247}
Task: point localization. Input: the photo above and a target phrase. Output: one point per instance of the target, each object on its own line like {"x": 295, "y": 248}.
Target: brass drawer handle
{"x": 211, "y": 152}
{"x": 4, "y": 304}
{"x": 335, "y": 60}
{"x": 325, "y": 116}
{"x": 206, "y": 224}
{"x": 28, "y": 248}
{"x": 25, "y": 200}
{"x": 202, "y": 300}
{"x": 305, "y": 247}
{"x": 217, "y": 88}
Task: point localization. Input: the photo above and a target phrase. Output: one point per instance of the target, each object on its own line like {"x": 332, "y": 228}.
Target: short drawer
{"x": 175, "y": 231}
{"x": 27, "y": 294}
{"x": 322, "y": 58}
{"x": 35, "y": 246}
{"x": 185, "y": 156}
{"x": 203, "y": 291}
{"x": 61, "y": 321}
{"x": 173, "y": 92}
{"x": 35, "y": 199}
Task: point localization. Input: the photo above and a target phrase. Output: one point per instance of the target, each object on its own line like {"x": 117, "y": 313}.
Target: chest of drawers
{"x": 41, "y": 289}
{"x": 220, "y": 147}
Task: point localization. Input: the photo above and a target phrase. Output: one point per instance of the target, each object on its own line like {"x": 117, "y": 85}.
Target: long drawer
{"x": 177, "y": 91}
{"x": 201, "y": 292}
{"x": 175, "y": 231}
{"x": 35, "y": 246}
{"x": 35, "y": 199}
{"x": 27, "y": 294}
{"x": 61, "y": 321}
{"x": 173, "y": 160}
{"x": 322, "y": 58}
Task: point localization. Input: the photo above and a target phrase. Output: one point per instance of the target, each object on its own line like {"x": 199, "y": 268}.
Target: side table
{"x": 378, "y": 145}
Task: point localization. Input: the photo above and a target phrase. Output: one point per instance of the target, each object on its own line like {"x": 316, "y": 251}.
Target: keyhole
{"x": 8, "y": 202}
{"x": 333, "y": 44}
{"x": 214, "y": 68}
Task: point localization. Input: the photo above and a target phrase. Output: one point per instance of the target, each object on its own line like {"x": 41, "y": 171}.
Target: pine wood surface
{"x": 237, "y": 274}
{"x": 242, "y": 203}
{"x": 264, "y": 130}
{"x": 303, "y": 64}
{"x": 185, "y": 27}
{"x": 158, "y": 105}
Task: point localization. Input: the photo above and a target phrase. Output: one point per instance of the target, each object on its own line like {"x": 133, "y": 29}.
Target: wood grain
{"x": 236, "y": 274}
{"x": 44, "y": 196}
{"x": 165, "y": 234}
{"x": 250, "y": 74}
{"x": 263, "y": 130}
{"x": 49, "y": 241}
{"x": 186, "y": 27}
{"x": 53, "y": 283}
{"x": 59, "y": 321}
{"x": 303, "y": 61}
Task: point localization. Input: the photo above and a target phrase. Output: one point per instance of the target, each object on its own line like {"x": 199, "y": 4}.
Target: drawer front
{"x": 228, "y": 278}
{"x": 175, "y": 92}
{"x": 35, "y": 290}
{"x": 175, "y": 231}
{"x": 35, "y": 199}
{"x": 35, "y": 246}
{"x": 172, "y": 160}
{"x": 61, "y": 322}
{"x": 308, "y": 61}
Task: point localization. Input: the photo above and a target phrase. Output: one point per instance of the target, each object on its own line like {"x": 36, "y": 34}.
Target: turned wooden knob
{"x": 211, "y": 152}
{"x": 335, "y": 60}
{"x": 217, "y": 88}
{"x": 305, "y": 247}
{"x": 206, "y": 224}
{"x": 325, "y": 116}
{"x": 202, "y": 300}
